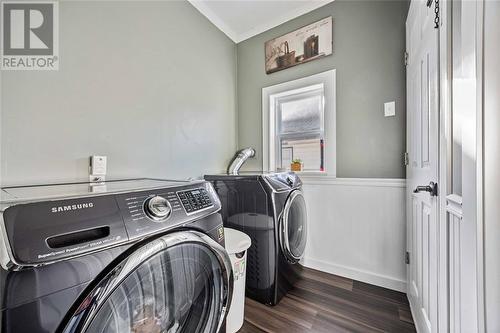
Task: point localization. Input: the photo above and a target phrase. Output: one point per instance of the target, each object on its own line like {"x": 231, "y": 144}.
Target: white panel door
{"x": 422, "y": 169}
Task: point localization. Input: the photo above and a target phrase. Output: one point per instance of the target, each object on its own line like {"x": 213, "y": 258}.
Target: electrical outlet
{"x": 98, "y": 165}
{"x": 390, "y": 109}
{"x": 98, "y": 168}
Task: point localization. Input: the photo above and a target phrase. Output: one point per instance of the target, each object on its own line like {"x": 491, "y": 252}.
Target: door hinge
{"x": 406, "y": 59}
{"x": 407, "y": 258}
{"x": 406, "y": 158}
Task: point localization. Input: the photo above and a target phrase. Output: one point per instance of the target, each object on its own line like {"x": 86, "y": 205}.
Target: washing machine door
{"x": 293, "y": 227}
{"x": 180, "y": 282}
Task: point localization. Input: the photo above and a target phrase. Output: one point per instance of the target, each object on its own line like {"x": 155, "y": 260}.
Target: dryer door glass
{"x": 294, "y": 226}
{"x": 179, "y": 288}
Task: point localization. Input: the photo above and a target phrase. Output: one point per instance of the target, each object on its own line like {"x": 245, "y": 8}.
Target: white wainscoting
{"x": 462, "y": 278}
{"x": 454, "y": 248}
{"x": 357, "y": 228}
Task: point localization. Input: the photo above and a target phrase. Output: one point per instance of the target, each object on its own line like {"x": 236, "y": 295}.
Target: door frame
{"x": 474, "y": 177}
{"x": 445, "y": 171}
{"x": 479, "y": 181}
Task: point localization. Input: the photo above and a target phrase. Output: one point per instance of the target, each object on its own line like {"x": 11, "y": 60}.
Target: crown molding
{"x": 212, "y": 17}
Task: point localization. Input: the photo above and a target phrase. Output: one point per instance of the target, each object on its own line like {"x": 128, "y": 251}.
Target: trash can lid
{"x": 236, "y": 241}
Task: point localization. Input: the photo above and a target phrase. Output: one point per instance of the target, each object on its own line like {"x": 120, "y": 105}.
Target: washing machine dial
{"x": 157, "y": 208}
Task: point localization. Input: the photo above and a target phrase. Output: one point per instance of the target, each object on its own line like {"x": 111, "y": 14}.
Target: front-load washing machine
{"x": 126, "y": 256}
{"x": 270, "y": 208}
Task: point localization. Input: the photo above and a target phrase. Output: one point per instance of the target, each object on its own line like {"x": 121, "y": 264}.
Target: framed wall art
{"x": 308, "y": 43}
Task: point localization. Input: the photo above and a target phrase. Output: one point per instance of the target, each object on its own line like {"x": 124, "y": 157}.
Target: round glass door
{"x": 294, "y": 227}
{"x": 181, "y": 288}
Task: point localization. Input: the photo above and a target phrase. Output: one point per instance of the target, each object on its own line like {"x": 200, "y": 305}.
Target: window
{"x": 299, "y": 123}
{"x": 299, "y": 129}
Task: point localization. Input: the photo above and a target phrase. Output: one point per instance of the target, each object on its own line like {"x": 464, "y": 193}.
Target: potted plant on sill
{"x": 296, "y": 164}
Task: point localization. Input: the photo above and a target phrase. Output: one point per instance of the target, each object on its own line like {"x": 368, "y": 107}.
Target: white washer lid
{"x": 236, "y": 241}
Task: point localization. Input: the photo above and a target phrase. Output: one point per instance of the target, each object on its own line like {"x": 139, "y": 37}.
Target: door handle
{"x": 432, "y": 188}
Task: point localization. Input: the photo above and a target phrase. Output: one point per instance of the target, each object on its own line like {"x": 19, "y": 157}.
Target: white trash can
{"x": 237, "y": 244}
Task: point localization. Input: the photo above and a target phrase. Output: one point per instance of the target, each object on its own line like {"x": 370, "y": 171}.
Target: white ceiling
{"x": 242, "y": 19}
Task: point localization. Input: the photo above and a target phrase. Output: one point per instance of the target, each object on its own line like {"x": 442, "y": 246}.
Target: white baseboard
{"x": 356, "y": 274}
{"x": 416, "y": 317}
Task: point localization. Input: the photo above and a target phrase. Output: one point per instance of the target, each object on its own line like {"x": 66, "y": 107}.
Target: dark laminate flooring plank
{"x": 326, "y": 321}
{"x": 376, "y": 316}
{"x": 293, "y": 317}
{"x": 325, "y": 303}
{"x": 333, "y": 280}
{"x": 296, "y": 304}
{"x": 405, "y": 315}
{"x": 379, "y": 292}
{"x": 250, "y": 328}
{"x": 272, "y": 320}
{"x": 384, "y": 313}
{"x": 332, "y": 310}
{"x": 350, "y": 300}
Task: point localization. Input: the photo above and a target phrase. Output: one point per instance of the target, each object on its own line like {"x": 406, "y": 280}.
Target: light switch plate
{"x": 390, "y": 109}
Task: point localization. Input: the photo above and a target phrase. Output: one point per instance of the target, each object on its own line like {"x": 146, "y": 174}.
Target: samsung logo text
{"x": 72, "y": 207}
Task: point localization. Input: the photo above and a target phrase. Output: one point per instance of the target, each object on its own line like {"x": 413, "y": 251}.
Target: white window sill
{"x": 309, "y": 177}
{"x": 312, "y": 173}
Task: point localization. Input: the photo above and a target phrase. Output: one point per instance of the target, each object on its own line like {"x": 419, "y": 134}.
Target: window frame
{"x": 270, "y": 96}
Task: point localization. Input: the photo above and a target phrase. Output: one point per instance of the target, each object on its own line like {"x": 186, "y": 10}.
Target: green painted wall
{"x": 368, "y": 48}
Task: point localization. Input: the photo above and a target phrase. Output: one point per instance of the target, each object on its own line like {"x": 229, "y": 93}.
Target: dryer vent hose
{"x": 239, "y": 159}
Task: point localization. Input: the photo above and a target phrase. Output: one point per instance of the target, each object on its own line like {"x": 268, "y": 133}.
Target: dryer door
{"x": 180, "y": 282}
{"x": 293, "y": 227}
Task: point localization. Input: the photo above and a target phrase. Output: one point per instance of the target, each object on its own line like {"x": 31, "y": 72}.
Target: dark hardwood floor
{"x": 327, "y": 303}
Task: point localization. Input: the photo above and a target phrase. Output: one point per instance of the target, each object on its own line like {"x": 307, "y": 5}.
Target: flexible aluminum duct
{"x": 239, "y": 159}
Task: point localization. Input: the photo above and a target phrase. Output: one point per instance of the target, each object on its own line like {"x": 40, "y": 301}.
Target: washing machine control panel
{"x": 195, "y": 200}
{"x": 148, "y": 212}
{"x": 73, "y": 226}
